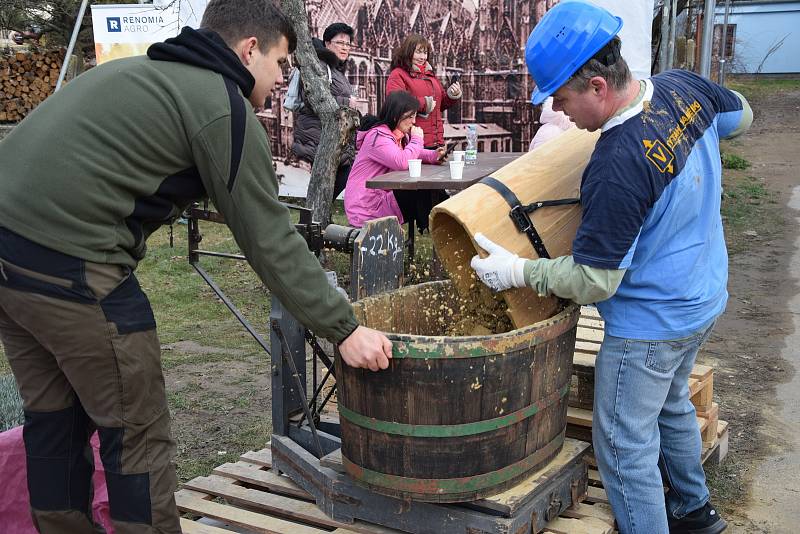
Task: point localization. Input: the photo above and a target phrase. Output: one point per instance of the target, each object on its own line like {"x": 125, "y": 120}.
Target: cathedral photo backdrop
{"x": 481, "y": 40}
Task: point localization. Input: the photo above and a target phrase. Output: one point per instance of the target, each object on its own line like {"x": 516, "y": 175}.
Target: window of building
{"x": 480, "y": 146}
{"x": 730, "y": 39}
{"x": 494, "y": 146}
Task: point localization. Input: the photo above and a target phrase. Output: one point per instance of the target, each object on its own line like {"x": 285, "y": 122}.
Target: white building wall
{"x": 759, "y": 27}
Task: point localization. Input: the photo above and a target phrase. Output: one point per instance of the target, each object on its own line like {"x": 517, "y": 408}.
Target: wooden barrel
{"x": 453, "y": 418}
{"x": 551, "y": 172}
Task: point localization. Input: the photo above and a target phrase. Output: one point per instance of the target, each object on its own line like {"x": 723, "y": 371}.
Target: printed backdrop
{"x": 481, "y": 40}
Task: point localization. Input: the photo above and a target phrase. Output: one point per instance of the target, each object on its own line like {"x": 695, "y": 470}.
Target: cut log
{"x": 26, "y": 79}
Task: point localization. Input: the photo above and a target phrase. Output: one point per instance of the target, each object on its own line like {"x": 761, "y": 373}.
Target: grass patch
{"x": 749, "y": 209}
{"x": 732, "y": 161}
{"x": 190, "y": 465}
{"x": 177, "y": 400}
{"x": 185, "y": 307}
{"x": 10, "y": 404}
{"x": 725, "y": 484}
{"x": 762, "y": 86}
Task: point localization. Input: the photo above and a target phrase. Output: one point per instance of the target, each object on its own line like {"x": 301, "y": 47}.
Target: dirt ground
{"x": 747, "y": 345}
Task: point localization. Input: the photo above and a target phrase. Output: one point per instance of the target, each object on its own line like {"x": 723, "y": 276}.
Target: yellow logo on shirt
{"x": 688, "y": 117}
{"x": 659, "y": 155}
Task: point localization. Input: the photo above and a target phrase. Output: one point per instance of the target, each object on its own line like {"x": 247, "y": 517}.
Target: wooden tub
{"x": 453, "y": 418}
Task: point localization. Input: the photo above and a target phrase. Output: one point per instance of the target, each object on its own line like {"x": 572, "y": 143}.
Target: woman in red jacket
{"x": 411, "y": 72}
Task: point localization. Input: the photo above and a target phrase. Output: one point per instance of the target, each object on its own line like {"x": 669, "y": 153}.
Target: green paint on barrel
{"x": 449, "y": 431}
{"x": 437, "y": 487}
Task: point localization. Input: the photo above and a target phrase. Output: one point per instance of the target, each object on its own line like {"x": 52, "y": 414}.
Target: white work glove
{"x": 501, "y": 269}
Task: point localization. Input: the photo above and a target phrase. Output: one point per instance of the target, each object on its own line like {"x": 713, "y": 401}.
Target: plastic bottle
{"x": 471, "y": 154}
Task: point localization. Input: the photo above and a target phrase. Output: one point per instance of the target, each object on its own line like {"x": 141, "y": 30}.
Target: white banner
{"x": 123, "y": 30}
{"x": 190, "y": 11}
{"x": 637, "y": 21}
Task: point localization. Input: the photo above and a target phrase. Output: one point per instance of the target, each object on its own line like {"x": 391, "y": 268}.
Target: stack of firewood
{"x": 26, "y": 79}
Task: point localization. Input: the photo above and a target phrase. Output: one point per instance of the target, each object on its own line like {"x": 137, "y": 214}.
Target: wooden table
{"x": 438, "y": 176}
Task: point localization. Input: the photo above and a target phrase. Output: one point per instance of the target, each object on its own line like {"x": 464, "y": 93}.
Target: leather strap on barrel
{"x": 520, "y": 213}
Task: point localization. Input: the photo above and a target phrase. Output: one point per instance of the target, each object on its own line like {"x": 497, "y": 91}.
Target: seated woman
{"x": 386, "y": 143}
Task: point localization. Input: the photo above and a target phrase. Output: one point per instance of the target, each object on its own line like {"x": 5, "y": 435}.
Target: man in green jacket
{"x": 84, "y": 180}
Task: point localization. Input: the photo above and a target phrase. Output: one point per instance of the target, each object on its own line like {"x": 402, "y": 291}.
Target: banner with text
{"x": 123, "y": 30}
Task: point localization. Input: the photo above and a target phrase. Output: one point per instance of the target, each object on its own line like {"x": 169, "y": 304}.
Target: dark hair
{"x": 403, "y": 55}
{"x": 335, "y": 29}
{"x": 235, "y": 20}
{"x": 397, "y": 104}
{"x": 608, "y": 64}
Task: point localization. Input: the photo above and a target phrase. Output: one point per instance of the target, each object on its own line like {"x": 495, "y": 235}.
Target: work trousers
{"x": 645, "y": 432}
{"x": 81, "y": 341}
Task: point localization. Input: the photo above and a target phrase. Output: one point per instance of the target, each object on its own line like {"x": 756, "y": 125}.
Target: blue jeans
{"x": 644, "y": 427}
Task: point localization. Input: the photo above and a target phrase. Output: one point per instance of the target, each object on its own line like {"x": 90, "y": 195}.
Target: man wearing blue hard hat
{"x": 649, "y": 251}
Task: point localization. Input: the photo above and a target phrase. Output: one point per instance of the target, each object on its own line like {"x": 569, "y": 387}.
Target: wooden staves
{"x": 26, "y": 79}
{"x": 453, "y": 418}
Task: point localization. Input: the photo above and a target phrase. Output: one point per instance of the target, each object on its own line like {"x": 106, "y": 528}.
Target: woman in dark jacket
{"x": 412, "y": 72}
{"x": 332, "y": 52}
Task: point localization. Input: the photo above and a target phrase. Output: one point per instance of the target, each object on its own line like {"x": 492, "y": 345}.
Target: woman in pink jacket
{"x": 386, "y": 143}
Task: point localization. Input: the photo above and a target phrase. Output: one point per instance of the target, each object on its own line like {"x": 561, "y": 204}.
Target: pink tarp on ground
{"x": 14, "y": 508}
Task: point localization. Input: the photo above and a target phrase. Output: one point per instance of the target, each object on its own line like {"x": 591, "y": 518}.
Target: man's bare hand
{"x": 366, "y": 348}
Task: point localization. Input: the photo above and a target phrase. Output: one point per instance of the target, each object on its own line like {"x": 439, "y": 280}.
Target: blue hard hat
{"x": 568, "y": 36}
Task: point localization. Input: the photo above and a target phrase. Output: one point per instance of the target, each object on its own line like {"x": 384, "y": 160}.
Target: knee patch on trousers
{"x": 128, "y": 308}
{"x": 59, "y": 471}
{"x": 128, "y": 495}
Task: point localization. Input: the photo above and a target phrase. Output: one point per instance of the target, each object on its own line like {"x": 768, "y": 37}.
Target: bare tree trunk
{"x": 338, "y": 123}
{"x": 657, "y": 36}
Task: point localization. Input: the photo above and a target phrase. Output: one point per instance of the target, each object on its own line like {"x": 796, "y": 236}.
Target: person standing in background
{"x": 411, "y": 71}
{"x": 333, "y": 51}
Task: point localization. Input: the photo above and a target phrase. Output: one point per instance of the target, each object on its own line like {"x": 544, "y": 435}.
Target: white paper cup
{"x": 456, "y": 170}
{"x": 458, "y": 155}
{"x": 414, "y": 167}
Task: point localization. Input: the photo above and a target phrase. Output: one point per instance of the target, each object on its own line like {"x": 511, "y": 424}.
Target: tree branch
{"x": 774, "y": 48}
{"x": 338, "y": 123}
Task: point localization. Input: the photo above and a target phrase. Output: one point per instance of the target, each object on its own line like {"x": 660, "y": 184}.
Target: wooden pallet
{"x": 588, "y": 339}
{"x": 587, "y": 343}
{"x": 248, "y": 497}
{"x": 579, "y": 425}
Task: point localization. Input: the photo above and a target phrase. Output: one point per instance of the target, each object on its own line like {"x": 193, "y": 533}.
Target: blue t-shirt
{"x": 651, "y": 204}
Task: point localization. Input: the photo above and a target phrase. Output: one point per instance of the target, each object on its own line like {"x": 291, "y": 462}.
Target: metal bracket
{"x": 301, "y": 390}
